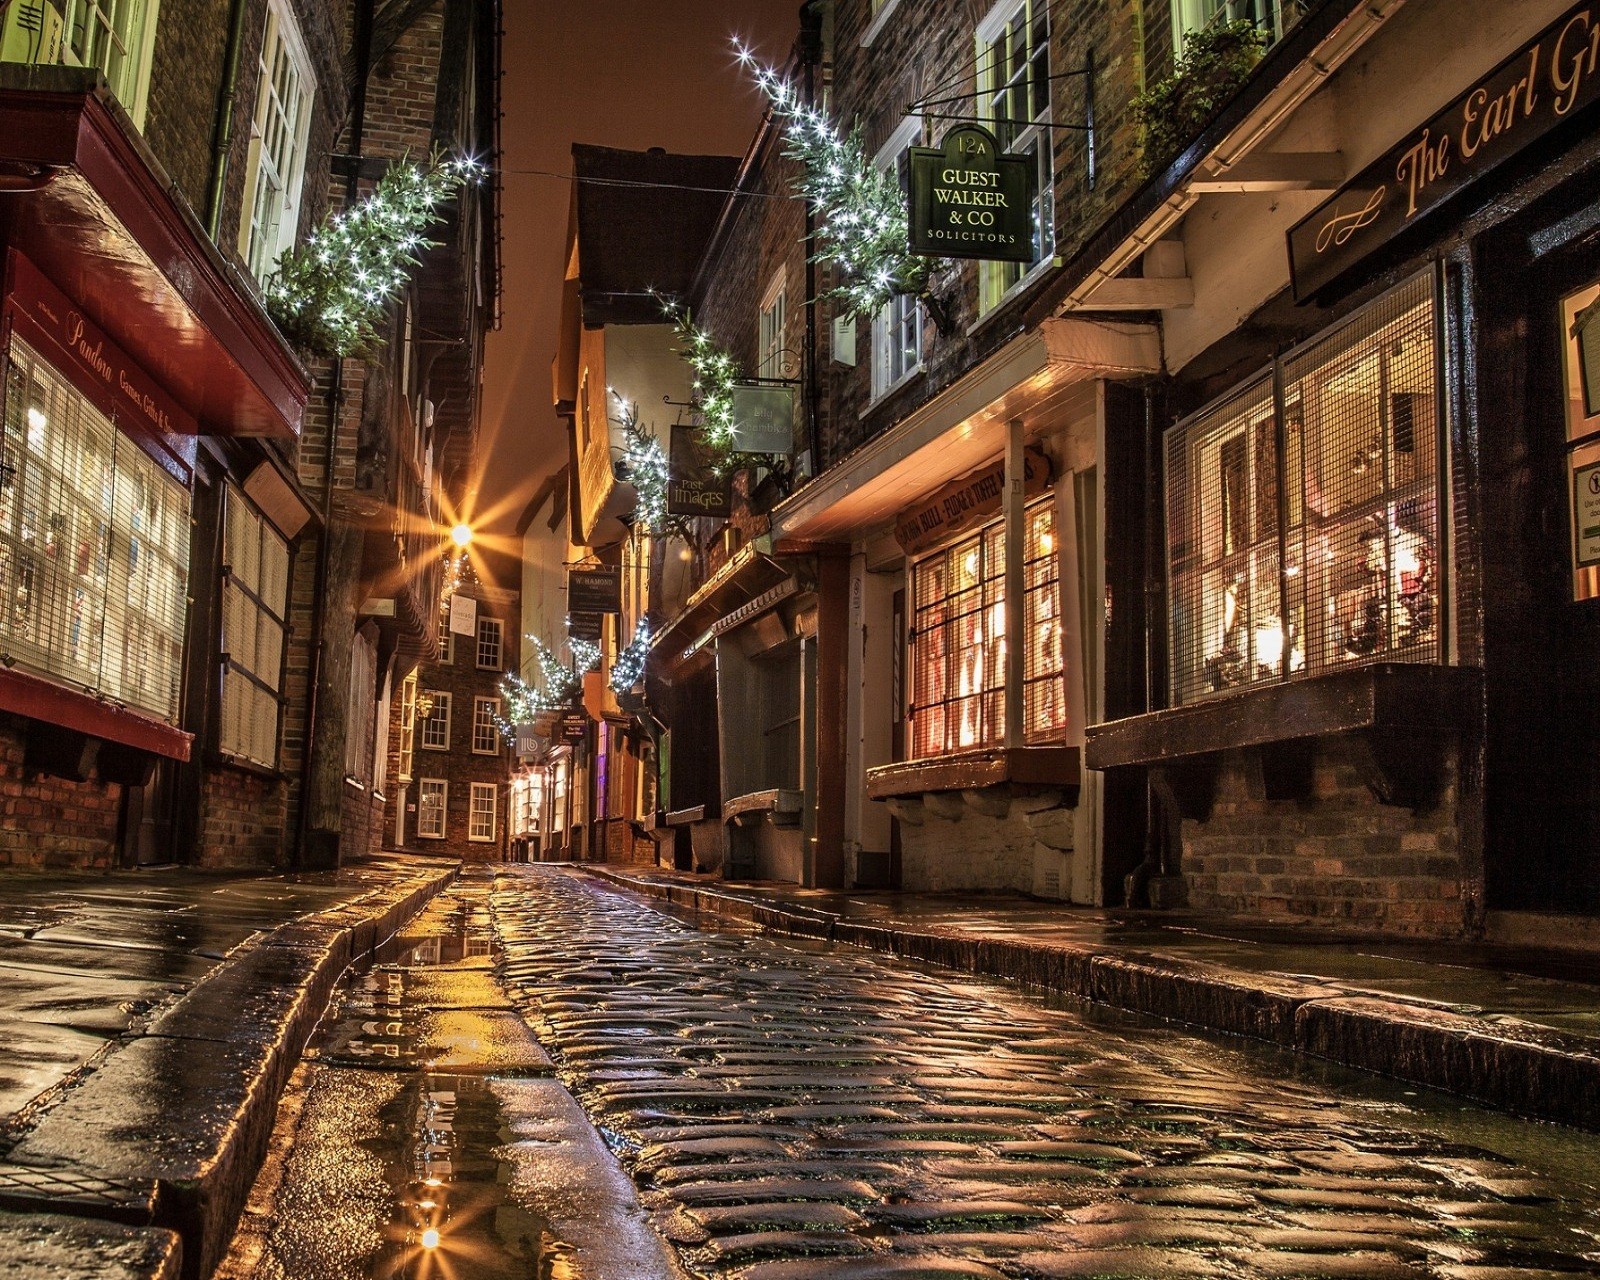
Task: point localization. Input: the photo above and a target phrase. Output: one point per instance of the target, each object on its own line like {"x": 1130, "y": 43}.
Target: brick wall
{"x": 1338, "y": 858}
{"x": 244, "y": 819}
{"x": 52, "y": 822}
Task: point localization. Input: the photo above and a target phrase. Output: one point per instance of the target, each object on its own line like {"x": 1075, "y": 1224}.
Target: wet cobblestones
{"x": 792, "y": 1111}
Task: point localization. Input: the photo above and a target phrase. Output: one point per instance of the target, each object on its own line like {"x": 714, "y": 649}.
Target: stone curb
{"x": 169, "y": 1131}
{"x": 1530, "y": 1071}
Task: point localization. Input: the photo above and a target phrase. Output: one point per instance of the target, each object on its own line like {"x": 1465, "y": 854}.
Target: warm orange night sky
{"x": 619, "y": 73}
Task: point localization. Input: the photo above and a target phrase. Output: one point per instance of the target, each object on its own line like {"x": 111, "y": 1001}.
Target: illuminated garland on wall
{"x": 525, "y": 702}
{"x": 329, "y": 295}
{"x": 644, "y": 464}
{"x": 627, "y": 668}
{"x": 861, "y": 212}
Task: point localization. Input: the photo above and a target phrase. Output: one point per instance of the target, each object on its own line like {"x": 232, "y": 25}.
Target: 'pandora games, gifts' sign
{"x": 969, "y": 201}
{"x": 1548, "y": 81}
{"x": 965, "y": 502}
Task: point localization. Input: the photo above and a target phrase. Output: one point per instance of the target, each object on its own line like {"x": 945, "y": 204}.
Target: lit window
{"x": 770, "y": 354}
{"x": 490, "y": 634}
{"x": 436, "y": 724}
{"x": 1310, "y": 544}
{"x": 1014, "y": 102}
{"x": 897, "y": 328}
{"x": 481, "y": 817}
{"x": 94, "y": 546}
{"x": 1274, "y": 17}
{"x": 277, "y": 145}
{"x": 485, "y": 731}
{"x": 432, "y": 794}
{"x": 255, "y": 596}
{"x": 958, "y": 650}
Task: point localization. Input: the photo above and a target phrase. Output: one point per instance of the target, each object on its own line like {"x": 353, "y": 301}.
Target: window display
{"x": 958, "y": 642}
{"x": 1303, "y": 510}
{"x": 94, "y": 546}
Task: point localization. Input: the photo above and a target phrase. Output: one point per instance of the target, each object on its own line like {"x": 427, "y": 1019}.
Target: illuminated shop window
{"x": 958, "y": 644}
{"x": 94, "y": 547}
{"x": 1311, "y": 543}
{"x": 255, "y": 599}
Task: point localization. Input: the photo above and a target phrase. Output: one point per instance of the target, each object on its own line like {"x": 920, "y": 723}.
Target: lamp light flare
{"x": 430, "y": 1238}
{"x": 461, "y": 535}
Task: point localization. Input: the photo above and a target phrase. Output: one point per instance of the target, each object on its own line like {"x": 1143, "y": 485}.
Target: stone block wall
{"x": 987, "y": 840}
{"x": 1337, "y": 858}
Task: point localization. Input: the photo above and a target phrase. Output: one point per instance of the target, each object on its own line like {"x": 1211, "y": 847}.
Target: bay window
{"x": 958, "y": 641}
{"x": 1303, "y": 510}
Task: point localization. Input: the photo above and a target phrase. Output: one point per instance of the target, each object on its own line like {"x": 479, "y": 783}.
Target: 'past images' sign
{"x": 969, "y": 201}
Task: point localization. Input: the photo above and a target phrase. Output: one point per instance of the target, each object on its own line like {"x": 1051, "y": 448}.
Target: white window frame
{"x": 998, "y": 282}
{"x": 485, "y": 728}
{"x": 882, "y": 11}
{"x": 498, "y": 656}
{"x": 440, "y": 787}
{"x": 1189, "y": 16}
{"x": 408, "y": 729}
{"x": 441, "y": 702}
{"x": 254, "y": 600}
{"x": 771, "y": 323}
{"x": 269, "y": 218}
{"x": 480, "y": 791}
{"x": 134, "y": 25}
{"x": 902, "y": 314}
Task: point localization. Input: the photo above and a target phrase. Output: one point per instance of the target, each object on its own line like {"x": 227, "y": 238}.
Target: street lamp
{"x": 461, "y": 535}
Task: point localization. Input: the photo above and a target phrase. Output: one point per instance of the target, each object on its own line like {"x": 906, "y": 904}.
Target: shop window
{"x": 278, "y": 130}
{"x": 491, "y": 632}
{"x": 897, "y": 328}
{"x": 485, "y": 733}
{"x": 1014, "y": 102}
{"x": 94, "y": 547}
{"x": 1306, "y": 540}
{"x": 481, "y": 817}
{"x": 1274, "y": 17}
{"x": 435, "y": 720}
{"x": 361, "y": 702}
{"x": 958, "y": 642}
{"x": 770, "y": 353}
{"x": 432, "y": 794}
{"x": 255, "y": 603}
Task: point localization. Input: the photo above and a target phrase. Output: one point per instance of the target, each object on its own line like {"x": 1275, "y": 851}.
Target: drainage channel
{"x": 413, "y": 1138}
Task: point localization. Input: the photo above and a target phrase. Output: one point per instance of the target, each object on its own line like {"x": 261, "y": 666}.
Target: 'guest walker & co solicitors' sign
{"x": 1544, "y": 84}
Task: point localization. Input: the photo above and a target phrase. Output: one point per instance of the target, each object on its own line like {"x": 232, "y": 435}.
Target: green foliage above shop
{"x": 1215, "y": 63}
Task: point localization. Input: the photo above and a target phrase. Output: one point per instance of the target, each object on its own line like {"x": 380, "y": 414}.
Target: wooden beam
{"x": 1136, "y": 293}
{"x": 1275, "y": 171}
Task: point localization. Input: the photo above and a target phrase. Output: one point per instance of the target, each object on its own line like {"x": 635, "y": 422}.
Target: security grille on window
{"x": 770, "y": 330}
{"x": 481, "y": 812}
{"x": 436, "y": 725}
{"x": 432, "y": 794}
{"x": 958, "y": 645}
{"x": 897, "y": 328}
{"x": 1308, "y": 541}
{"x": 1014, "y": 102}
{"x": 485, "y": 733}
{"x": 491, "y": 632}
{"x": 94, "y": 546}
{"x": 255, "y": 596}
{"x": 114, "y": 36}
{"x": 277, "y": 144}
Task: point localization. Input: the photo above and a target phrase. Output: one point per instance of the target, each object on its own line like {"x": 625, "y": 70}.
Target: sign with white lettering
{"x": 594, "y": 590}
{"x": 692, "y": 488}
{"x": 1536, "y": 89}
{"x": 969, "y": 201}
{"x": 763, "y": 419}
{"x": 964, "y": 502}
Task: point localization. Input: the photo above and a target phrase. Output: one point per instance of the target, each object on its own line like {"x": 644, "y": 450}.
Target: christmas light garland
{"x": 645, "y": 467}
{"x": 328, "y": 296}
{"x": 861, "y": 212}
{"x": 627, "y": 668}
{"x": 525, "y": 702}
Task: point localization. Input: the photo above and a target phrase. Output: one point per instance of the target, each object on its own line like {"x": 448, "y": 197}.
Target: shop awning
{"x": 1046, "y": 373}
{"x": 749, "y": 574}
{"x": 87, "y": 202}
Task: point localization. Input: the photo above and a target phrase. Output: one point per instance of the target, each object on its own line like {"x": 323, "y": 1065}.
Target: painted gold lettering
{"x": 1570, "y": 64}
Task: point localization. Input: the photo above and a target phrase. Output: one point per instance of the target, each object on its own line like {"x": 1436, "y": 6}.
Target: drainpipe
{"x": 222, "y": 140}
{"x": 358, "y": 110}
{"x": 810, "y": 50}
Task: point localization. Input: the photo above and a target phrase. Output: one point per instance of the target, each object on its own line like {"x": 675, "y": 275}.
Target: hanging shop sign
{"x": 692, "y": 488}
{"x": 594, "y": 590}
{"x": 966, "y": 502}
{"x": 1547, "y": 82}
{"x": 763, "y": 419}
{"x": 585, "y": 626}
{"x": 463, "y": 616}
{"x": 967, "y": 200}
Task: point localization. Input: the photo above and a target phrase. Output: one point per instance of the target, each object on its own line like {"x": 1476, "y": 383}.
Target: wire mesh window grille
{"x": 485, "y": 734}
{"x": 958, "y": 642}
{"x": 94, "y": 546}
{"x": 481, "y": 811}
{"x": 432, "y": 794}
{"x": 1303, "y": 521}
{"x": 1014, "y": 102}
{"x": 255, "y": 597}
{"x": 277, "y": 145}
{"x": 491, "y": 632}
{"x": 436, "y": 725}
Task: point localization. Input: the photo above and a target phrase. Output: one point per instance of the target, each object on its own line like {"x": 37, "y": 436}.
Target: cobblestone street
{"x": 809, "y": 1112}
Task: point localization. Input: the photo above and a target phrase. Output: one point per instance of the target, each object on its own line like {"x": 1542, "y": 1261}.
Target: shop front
{"x": 1377, "y": 619}
{"x": 123, "y": 341}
